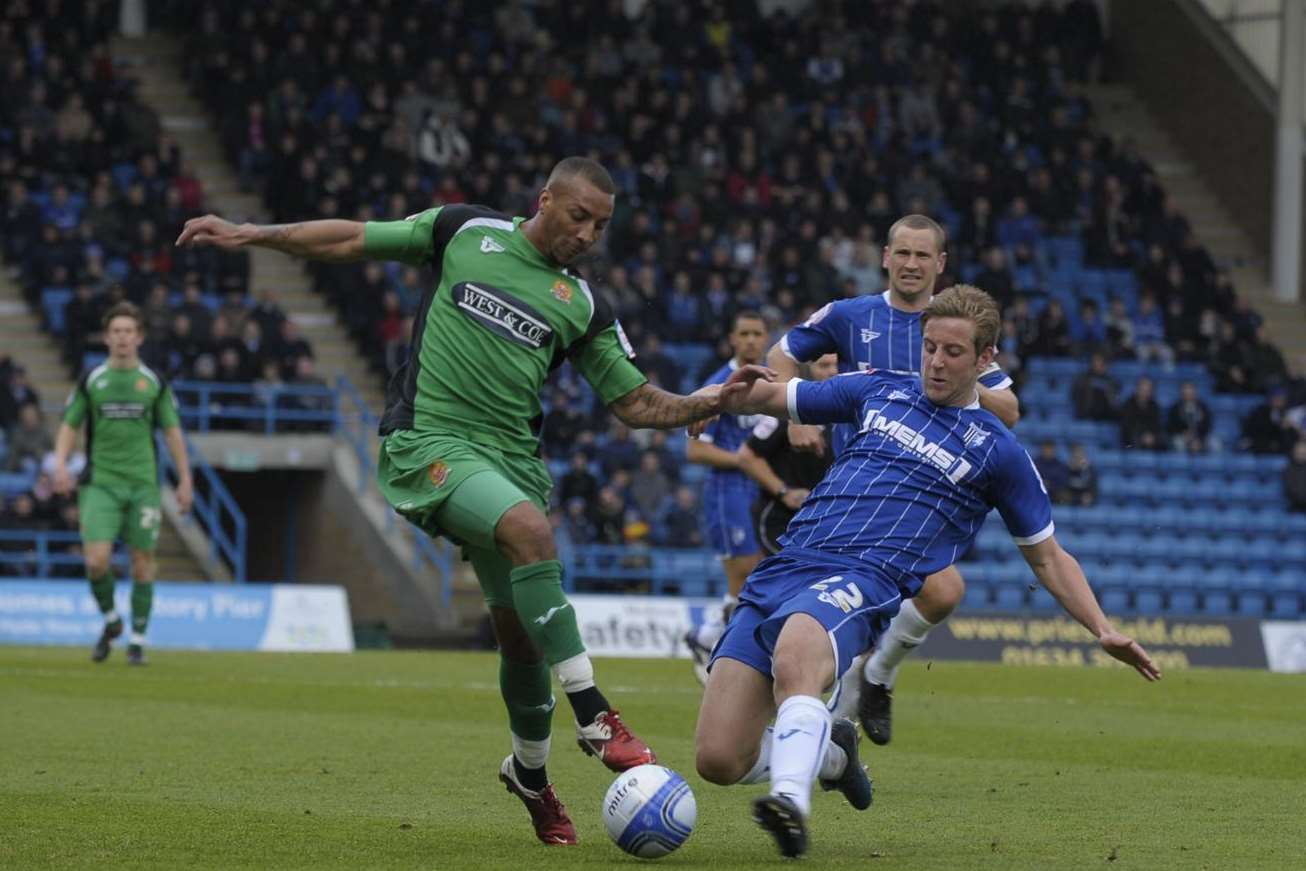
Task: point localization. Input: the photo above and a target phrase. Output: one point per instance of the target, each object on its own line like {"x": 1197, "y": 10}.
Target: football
{"x": 649, "y": 811}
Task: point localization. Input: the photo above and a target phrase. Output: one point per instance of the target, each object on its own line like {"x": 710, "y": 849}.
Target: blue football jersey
{"x": 911, "y": 490}
{"x": 867, "y": 333}
{"x": 728, "y": 432}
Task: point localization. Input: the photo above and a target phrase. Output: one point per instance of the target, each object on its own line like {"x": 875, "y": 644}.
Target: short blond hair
{"x": 919, "y": 222}
{"x": 968, "y": 303}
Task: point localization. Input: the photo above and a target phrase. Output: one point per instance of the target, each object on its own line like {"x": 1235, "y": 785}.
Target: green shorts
{"x": 449, "y": 486}
{"x": 131, "y": 511}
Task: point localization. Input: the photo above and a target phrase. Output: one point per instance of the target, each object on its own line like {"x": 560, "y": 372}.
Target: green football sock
{"x": 549, "y": 619}
{"x": 528, "y": 695}
{"x": 102, "y": 590}
{"x": 142, "y": 601}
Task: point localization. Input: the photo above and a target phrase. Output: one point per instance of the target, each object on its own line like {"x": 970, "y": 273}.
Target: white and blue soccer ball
{"x": 649, "y": 811}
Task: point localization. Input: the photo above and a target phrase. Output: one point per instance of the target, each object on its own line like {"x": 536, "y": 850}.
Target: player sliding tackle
{"x": 460, "y": 455}
{"x": 904, "y": 499}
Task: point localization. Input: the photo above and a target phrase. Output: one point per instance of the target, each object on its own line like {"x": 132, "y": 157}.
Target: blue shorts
{"x": 854, "y": 604}
{"x": 729, "y": 525}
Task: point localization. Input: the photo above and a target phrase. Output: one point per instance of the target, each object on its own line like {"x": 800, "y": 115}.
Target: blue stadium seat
{"x": 1010, "y": 597}
{"x": 13, "y": 483}
{"x": 1182, "y": 600}
{"x": 1149, "y": 602}
{"x": 1115, "y": 601}
{"x": 1217, "y": 603}
{"x": 1249, "y": 604}
{"x": 1286, "y": 605}
{"x": 54, "y": 300}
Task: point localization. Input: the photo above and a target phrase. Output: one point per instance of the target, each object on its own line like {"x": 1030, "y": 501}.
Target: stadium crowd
{"x": 743, "y": 185}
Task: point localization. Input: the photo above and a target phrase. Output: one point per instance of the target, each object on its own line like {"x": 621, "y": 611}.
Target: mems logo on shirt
{"x": 502, "y": 314}
{"x": 947, "y": 462}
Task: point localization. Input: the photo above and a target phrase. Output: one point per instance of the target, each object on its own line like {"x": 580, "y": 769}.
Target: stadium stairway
{"x": 1123, "y": 114}
{"x": 155, "y": 61}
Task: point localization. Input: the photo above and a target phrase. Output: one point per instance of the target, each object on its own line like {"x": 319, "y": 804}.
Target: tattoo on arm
{"x": 649, "y": 407}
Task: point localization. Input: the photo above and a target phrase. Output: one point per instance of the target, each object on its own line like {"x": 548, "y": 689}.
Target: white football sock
{"x": 802, "y": 730}
{"x": 761, "y": 770}
{"x": 531, "y": 754}
{"x": 906, "y": 632}
{"x": 137, "y": 638}
{"x": 575, "y": 674}
{"x": 850, "y": 690}
{"x": 111, "y": 616}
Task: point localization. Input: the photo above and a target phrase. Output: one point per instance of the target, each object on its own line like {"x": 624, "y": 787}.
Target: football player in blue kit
{"x": 883, "y": 332}
{"x": 728, "y": 493}
{"x": 906, "y": 497}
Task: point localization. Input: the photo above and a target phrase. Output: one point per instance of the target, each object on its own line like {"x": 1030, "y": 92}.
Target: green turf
{"x": 387, "y": 760}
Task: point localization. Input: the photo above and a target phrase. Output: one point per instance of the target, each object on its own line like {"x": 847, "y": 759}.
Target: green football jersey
{"x": 121, "y": 408}
{"x": 498, "y": 319}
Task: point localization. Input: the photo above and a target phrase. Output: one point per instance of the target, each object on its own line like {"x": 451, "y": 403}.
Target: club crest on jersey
{"x": 502, "y": 314}
{"x": 489, "y": 246}
{"x": 869, "y": 336}
{"x": 975, "y": 435}
{"x": 141, "y": 385}
{"x": 561, "y": 291}
{"x": 438, "y": 472}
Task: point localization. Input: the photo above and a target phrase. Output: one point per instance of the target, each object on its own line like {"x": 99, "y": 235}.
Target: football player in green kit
{"x": 460, "y": 454}
{"x": 121, "y": 401}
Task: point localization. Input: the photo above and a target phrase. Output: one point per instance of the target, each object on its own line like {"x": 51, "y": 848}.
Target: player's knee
{"x": 525, "y": 536}
{"x": 718, "y": 764}
{"x": 518, "y": 648}
{"x": 96, "y": 564}
{"x": 143, "y": 568}
{"x": 941, "y": 595}
{"x": 514, "y": 644}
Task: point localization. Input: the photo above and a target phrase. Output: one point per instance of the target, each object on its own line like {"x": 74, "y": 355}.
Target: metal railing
{"x": 213, "y": 508}
{"x": 48, "y": 551}
{"x": 256, "y": 408}
{"x": 657, "y": 570}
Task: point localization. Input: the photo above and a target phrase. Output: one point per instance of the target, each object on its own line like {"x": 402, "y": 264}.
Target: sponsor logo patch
{"x": 438, "y": 472}
{"x": 503, "y": 314}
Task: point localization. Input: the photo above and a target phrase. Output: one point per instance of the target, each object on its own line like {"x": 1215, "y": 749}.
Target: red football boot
{"x": 615, "y": 746}
{"x": 552, "y": 825}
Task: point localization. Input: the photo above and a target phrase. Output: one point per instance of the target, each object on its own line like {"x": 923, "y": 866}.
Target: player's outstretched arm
{"x": 781, "y": 363}
{"x": 801, "y": 436}
{"x": 649, "y": 407}
{"x": 1004, "y": 404}
{"x": 331, "y": 240}
{"x": 1061, "y": 574}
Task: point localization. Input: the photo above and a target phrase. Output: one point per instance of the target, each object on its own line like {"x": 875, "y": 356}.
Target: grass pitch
{"x": 388, "y": 760}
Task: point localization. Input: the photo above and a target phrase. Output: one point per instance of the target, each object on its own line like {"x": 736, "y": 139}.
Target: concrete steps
{"x": 22, "y": 338}
{"x": 157, "y": 64}
{"x": 1122, "y": 114}
{"x": 175, "y": 562}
